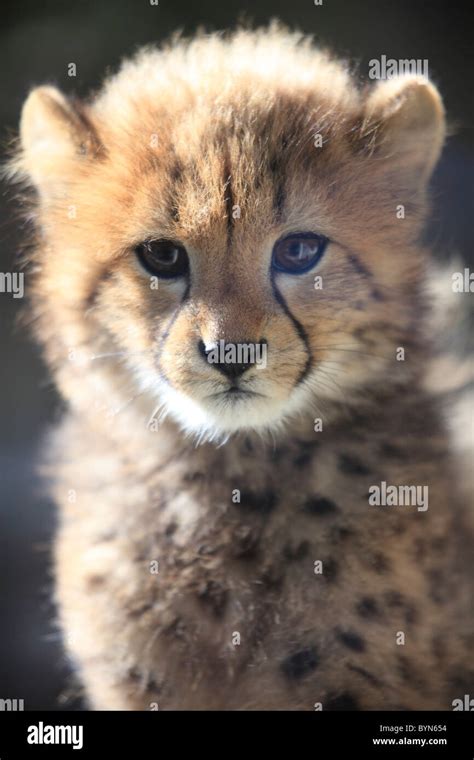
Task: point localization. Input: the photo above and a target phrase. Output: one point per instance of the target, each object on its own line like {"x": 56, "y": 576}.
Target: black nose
{"x": 222, "y": 358}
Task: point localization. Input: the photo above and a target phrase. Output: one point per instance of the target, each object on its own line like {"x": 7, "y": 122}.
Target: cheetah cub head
{"x": 228, "y": 231}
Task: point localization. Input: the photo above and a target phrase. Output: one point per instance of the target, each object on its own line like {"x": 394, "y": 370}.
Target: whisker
{"x": 350, "y": 350}
{"x": 126, "y": 404}
{"x": 94, "y": 357}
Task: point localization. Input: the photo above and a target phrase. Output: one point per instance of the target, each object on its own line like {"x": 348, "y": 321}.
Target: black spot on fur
{"x": 248, "y": 447}
{"x": 260, "y": 503}
{"x": 405, "y": 668}
{"x": 411, "y": 615}
{"x": 214, "y": 595}
{"x": 96, "y": 291}
{"x": 176, "y": 175}
{"x": 380, "y": 563}
{"x": 410, "y": 672}
{"x": 358, "y": 265}
{"x": 303, "y": 459}
{"x": 309, "y": 445}
{"x": 438, "y": 592}
{"x": 340, "y": 533}
{"x": 330, "y": 570}
{"x": 296, "y": 551}
{"x": 133, "y": 674}
{"x": 439, "y": 647}
{"x": 95, "y": 581}
{"x": 391, "y": 452}
{"x": 176, "y": 171}
{"x": 367, "y": 607}
{"x": 341, "y": 702}
{"x": 439, "y": 543}
{"x": 279, "y": 453}
{"x": 280, "y": 197}
{"x": 419, "y": 549}
{"x": 228, "y": 197}
{"x": 273, "y": 165}
{"x": 194, "y": 477}
{"x": 369, "y": 677}
{"x": 300, "y": 663}
{"x": 400, "y": 528}
{"x": 461, "y": 681}
{"x": 272, "y": 575}
{"x": 153, "y": 686}
{"x": 174, "y": 211}
{"x": 394, "y": 599}
{"x": 351, "y": 640}
{"x": 174, "y": 627}
{"x": 139, "y": 611}
{"x": 320, "y": 506}
{"x": 147, "y": 683}
{"x": 352, "y": 466}
{"x": 245, "y": 541}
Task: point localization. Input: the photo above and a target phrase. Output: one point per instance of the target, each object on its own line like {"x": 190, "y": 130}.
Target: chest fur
{"x": 229, "y": 568}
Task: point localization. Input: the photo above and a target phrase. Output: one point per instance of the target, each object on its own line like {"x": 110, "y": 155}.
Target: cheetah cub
{"x": 259, "y": 506}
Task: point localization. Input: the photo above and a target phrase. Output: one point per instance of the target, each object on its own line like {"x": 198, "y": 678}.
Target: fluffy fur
{"x": 213, "y": 143}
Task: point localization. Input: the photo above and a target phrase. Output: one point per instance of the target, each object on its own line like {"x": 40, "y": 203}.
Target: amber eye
{"x": 163, "y": 258}
{"x": 298, "y": 253}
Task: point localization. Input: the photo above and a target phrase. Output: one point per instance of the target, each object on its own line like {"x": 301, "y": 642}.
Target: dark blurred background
{"x": 37, "y": 42}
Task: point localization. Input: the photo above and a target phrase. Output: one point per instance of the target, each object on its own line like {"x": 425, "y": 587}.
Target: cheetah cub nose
{"x": 232, "y": 359}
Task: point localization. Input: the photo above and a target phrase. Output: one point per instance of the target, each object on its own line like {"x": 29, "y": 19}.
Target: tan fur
{"x": 169, "y": 148}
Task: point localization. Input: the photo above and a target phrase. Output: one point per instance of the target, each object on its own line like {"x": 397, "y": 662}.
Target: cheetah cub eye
{"x": 164, "y": 258}
{"x": 298, "y": 253}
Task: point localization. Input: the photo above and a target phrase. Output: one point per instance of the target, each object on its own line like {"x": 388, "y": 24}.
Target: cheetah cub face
{"x": 234, "y": 225}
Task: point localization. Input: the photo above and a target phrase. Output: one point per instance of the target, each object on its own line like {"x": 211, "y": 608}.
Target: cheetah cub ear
{"x": 411, "y": 125}
{"x": 56, "y": 138}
